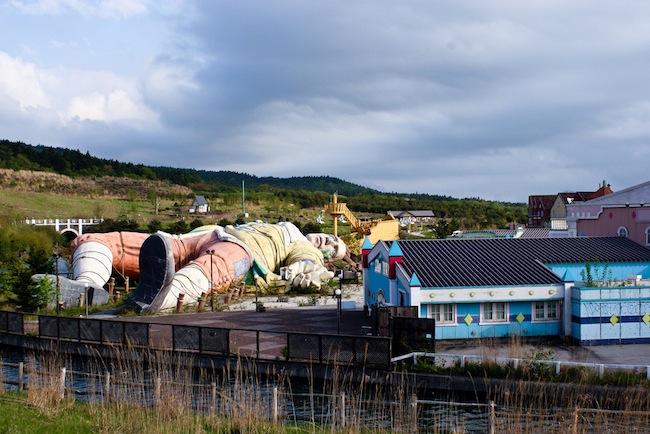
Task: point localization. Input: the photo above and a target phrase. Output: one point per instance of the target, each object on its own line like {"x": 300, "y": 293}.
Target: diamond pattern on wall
{"x": 646, "y": 318}
{"x": 613, "y": 319}
{"x": 468, "y": 319}
{"x": 520, "y": 317}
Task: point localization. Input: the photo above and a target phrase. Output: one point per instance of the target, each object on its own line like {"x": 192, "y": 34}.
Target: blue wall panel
{"x": 615, "y": 272}
{"x": 486, "y": 330}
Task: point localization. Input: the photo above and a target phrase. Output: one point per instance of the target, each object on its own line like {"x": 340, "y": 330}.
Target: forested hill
{"x": 74, "y": 163}
{"x": 307, "y": 191}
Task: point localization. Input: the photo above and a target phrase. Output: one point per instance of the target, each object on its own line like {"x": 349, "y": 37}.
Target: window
{"x": 384, "y": 268}
{"x": 622, "y": 231}
{"x": 442, "y": 313}
{"x": 494, "y": 312}
{"x": 377, "y": 266}
{"x": 546, "y": 311}
{"x": 647, "y": 235}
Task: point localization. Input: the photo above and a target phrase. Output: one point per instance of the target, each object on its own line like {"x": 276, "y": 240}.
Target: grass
{"x": 19, "y": 415}
{"x": 533, "y": 367}
{"x": 160, "y": 395}
{"x": 47, "y": 205}
{"x": 157, "y": 393}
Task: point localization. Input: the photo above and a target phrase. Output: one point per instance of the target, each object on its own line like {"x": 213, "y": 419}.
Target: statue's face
{"x": 330, "y": 245}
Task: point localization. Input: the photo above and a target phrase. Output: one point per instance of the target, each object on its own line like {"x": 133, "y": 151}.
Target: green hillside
{"x": 271, "y": 197}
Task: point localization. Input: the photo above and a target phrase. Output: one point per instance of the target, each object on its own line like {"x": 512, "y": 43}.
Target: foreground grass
{"x": 19, "y": 414}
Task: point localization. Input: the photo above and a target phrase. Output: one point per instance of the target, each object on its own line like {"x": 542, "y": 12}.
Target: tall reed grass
{"x": 160, "y": 392}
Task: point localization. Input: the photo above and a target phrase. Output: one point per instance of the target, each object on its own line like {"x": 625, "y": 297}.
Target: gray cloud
{"x": 497, "y": 100}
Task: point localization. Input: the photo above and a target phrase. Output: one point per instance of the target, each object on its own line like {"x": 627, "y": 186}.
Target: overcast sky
{"x": 491, "y": 99}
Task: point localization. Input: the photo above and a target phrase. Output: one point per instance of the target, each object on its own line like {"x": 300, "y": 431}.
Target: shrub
{"x": 34, "y": 294}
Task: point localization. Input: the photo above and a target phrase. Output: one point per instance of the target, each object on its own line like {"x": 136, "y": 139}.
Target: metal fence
{"x": 353, "y": 411}
{"x": 12, "y": 322}
{"x": 361, "y": 350}
{"x": 448, "y": 360}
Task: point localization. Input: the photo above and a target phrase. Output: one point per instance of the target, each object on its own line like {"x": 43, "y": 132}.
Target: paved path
{"x": 300, "y": 319}
{"x": 630, "y": 354}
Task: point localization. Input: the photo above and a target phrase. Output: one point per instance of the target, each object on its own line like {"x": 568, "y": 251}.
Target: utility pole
{"x": 243, "y": 201}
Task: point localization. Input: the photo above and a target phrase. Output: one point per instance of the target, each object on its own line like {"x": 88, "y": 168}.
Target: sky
{"x": 496, "y": 99}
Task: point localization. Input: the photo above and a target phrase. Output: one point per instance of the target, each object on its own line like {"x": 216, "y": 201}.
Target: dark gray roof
{"x": 509, "y": 261}
{"x": 412, "y": 213}
{"x": 503, "y": 233}
{"x": 199, "y": 200}
{"x": 535, "y": 233}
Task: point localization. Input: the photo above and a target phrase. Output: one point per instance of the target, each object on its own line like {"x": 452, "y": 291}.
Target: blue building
{"x": 591, "y": 290}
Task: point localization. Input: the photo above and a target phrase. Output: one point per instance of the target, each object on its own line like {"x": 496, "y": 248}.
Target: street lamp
{"x": 211, "y": 252}
{"x": 337, "y": 294}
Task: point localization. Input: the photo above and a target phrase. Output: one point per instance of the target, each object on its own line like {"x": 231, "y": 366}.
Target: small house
{"x": 199, "y": 205}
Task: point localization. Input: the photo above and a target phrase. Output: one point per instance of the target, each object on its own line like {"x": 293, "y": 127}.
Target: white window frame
{"x": 434, "y": 312}
{"x": 622, "y": 232}
{"x": 486, "y": 307}
{"x": 377, "y": 264}
{"x": 545, "y": 305}
{"x": 384, "y": 268}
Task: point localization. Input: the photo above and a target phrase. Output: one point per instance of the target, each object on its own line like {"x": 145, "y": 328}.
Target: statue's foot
{"x": 156, "y": 274}
{"x": 70, "y": 291}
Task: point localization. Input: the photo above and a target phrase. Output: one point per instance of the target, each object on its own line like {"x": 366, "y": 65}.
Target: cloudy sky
{"x": 494, "y": 99}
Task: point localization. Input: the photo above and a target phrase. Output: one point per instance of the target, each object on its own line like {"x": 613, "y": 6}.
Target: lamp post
{"x": 257, "y": 306}
{"x": 57, "y": 255}
{"x": 337, "y": 294}
{"x": 211, "y": 252}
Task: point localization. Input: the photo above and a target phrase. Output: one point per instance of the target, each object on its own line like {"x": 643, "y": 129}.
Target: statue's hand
{"x": 306, "y": 273}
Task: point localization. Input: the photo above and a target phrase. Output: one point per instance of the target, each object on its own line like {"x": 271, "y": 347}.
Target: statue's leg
{"x": 91, "y": 269}
{"x": 156, "y": 273}
{"x": 214, "y": 266}
{"x": 94, "y": 258}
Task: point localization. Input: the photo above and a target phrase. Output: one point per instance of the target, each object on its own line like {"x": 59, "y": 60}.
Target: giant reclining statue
{"x": 208, "y": 260}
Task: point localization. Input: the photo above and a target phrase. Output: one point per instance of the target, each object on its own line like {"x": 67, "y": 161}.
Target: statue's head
{"x": 330, "y": 245}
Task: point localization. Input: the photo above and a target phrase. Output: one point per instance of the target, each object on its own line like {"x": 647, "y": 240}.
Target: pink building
{"x": 625, "y": 213}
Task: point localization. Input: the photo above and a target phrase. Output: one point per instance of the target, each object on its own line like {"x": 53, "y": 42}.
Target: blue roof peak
{"x": 395, "y": 250}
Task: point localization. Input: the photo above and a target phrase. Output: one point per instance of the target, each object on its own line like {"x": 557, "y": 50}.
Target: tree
{"x": 443, "y": 228}
{"x": 110, "y": 225}
{"x": 311, "y": 228}
{"x": 224, "y": 222}
{"x": 179, "y": 227}
{"x": 152, "y": 196}
{"x": 33, "y": 294}
{"x": 196, "y": 223}
{"x": 154, "y": 226}
{"x": 25, "y": 251}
